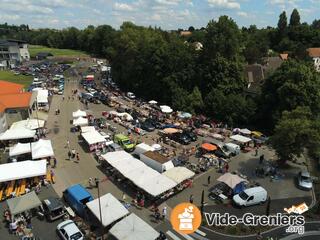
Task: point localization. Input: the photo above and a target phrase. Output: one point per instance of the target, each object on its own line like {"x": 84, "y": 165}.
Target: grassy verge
{"x": 34, "y": 49}
{"x": 20, "y": 79}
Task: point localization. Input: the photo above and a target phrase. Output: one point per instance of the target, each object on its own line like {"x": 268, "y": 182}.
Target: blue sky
{"x": 167, "y": 14}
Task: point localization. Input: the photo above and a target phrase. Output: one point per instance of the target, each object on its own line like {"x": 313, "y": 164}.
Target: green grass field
{"x": 21, "y": 79}
{"x": 34, "y": 49}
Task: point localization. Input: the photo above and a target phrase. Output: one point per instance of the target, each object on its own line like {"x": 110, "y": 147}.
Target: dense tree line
{"x": 165, "y": 66}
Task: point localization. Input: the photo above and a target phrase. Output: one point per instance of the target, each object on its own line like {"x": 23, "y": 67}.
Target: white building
{"x": 13, "y": 52}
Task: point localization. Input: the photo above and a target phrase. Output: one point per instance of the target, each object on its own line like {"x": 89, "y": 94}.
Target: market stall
{"x": 232, "y": 180}
{"x": 79, "y": 113}
{"x": 80, "y": 121}
{"x": 111, "y": 209}
{"x": 41, "y": 149}
{"x": 240, "y": 139}
{"x": 23, "y": 169}
{"x": 31, "y": 124}
{"x": 133, "y": 228}
{"x": 94, "y": 139}
{"x": 142, "y": 148}
{"x": 23, "y": 203}
{"x": 179, "y": 174}
{"x": 17, "y": 133}
{"x": 19, "y": 149}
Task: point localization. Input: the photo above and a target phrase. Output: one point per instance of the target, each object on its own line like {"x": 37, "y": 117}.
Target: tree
{"x": 195, "y": 101}
{"x": 294, "y": 18}
{"x": 295, "y": 131}
{"x": 283, "y": 22}
{"x": 293, "y": 84}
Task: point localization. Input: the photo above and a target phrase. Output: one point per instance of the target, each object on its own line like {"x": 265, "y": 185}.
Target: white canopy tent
{"x": 17, "y": 133}
{"x": 31, "y": 124}
{"x": 19, "y": 148}
{"x": 85, "y": 129}
{"x": 245, "y": 131}
{"x": 93, "y": 137}
{"x": 21, "y": 170}
{"x": 142, "y": 148}
{"x": 133, "y": 228}
{"x": 41, "y": 149}
{"x": 80, "y": 121}
{"x": 79, "y": 113}
{"x": 178, "y": 174}
{"x": 23, "y": 203}
{"x": 111, "y": 209}
{"x": 42, "y": 96}
{"x": 231, "y": 180}
{"x": 153, "y": 102}
{"x": 139, "y": 173}
{"x": 240, "y": 138}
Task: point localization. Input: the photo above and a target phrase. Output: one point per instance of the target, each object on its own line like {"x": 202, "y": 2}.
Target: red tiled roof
{"x": 314, "y": 52}
{"x": 8, "y": 87}
{"x": 16, "y": 100}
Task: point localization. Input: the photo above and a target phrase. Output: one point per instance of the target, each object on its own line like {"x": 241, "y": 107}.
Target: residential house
{"x": 255, "y": 74}
{"x": 13, "y": 52}
{"x": 314, "y": 53}
{"x": 15, "y": 104}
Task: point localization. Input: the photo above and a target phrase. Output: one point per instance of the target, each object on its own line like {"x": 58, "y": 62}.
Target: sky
{"x": 167, "y": 14}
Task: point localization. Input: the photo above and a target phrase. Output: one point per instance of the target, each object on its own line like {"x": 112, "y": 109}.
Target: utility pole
{"x": 97, "y": 181}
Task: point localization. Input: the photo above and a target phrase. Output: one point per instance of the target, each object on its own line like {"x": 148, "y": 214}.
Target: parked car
{"x": 181, "y": 138}
{"x": 131, "y": 95}
{"x": 250, "y": 196}
{"x": 53, "y": 208}
{"x": 191, "y": 135}
{"x": 68, "y": 230}
{"x": 304, "y": 180}
{"x": 147, "y": 126}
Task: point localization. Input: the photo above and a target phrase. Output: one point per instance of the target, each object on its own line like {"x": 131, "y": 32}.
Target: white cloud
{"x": 242, "y": 14}
{"x": 9, "y": 17}
{"x": 123, "y": 7}
{"x": 228, "y": 4}
{"x": 168, "y": 2}
{"x": 156, "y": 17}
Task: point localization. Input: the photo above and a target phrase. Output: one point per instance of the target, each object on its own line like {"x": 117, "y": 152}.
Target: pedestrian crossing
{"x": 198, "y": 235}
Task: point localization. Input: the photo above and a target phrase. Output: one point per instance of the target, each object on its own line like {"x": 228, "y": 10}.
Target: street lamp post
{"x": 97, "y": 181}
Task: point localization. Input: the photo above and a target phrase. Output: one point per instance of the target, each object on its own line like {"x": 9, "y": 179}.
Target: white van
{"x": 233, "y": 148}
{"x": 250, "y": 196}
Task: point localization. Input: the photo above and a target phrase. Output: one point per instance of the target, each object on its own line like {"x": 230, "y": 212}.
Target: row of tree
{"x": 162, "y": 65}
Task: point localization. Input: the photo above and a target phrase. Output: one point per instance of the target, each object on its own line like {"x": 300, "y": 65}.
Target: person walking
{"x": 78, "y": 158}
{"x": 261, "y": 159}
{"x": 52, "y": 176}
{"x": 209, "y": 180}
{"x": 164, "y": 213}
{"x": 73, "y": 153}
{"x": 54, "y": 162}
{"x": 227, "y": 167}
{"x": 124, "y": 197}
{"x": 191, "y": 198}
{"x": 256, "y": 154}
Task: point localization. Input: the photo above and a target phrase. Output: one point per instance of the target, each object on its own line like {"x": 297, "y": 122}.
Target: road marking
{"x": 186, "y": 236}
{"x": 196, "y": 236}
{"x": 172, "y": 235}
{"x": 201, "y": 233}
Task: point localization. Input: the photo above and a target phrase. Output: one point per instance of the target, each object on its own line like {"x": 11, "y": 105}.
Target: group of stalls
{"x": 155, "y": 184}
{"x": 15, "y": 177}
{"x": 116, "y": 217}
{"x": 94, "y": 139}
{"x": 79, "y": 119}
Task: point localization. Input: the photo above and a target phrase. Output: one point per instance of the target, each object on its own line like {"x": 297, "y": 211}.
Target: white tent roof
{"x": 125, "y": 116}
{"x": 31, "y": 124}
{"x": 80, "y": 121}
{"x": 41, "y": 149}
{"x": 23, "y": 203}
{"x": 19, "y": 133}
{"x": 153, "y": 102}
{"x": 139, "y": 173}
{"x": 240, "y": 138}
{"x": 87, "y": 129}
{"x": 42, "y": 96}
{"x": 79, "y": 113}
{"x": 178, "y": 174}
{"x": 231, "y": 180}
{"x": 245, "y": 131}
{"x": 142, "y": 148}
{"x": 133, "y": 228}
{"x": 111, "y": 209}
{"x": 21, "y": 170}
{"x": 20, "y": 148}
{"x": 93, "y": 137}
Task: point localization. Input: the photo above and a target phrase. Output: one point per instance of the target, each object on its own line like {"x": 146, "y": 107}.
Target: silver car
{"x": 304, "y": 180}
{"x": 68, "y": 230}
